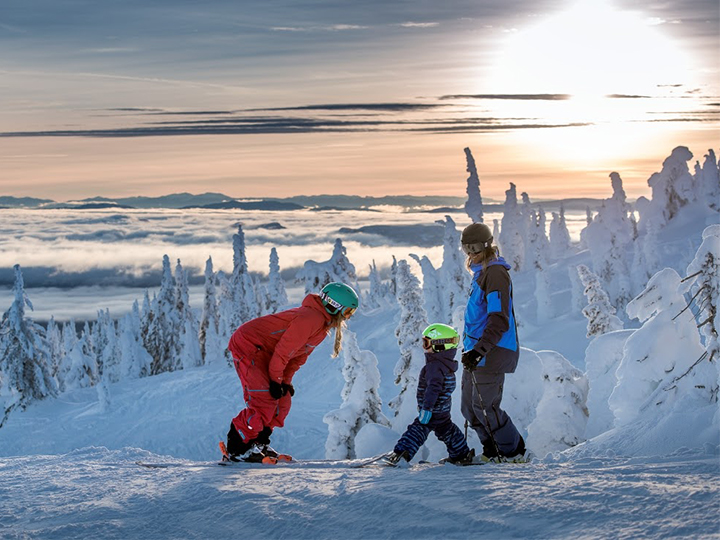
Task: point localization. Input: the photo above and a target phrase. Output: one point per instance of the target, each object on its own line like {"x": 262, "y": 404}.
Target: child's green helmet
{"x": 339, "y": 298}
{"x": 439, "y": 337}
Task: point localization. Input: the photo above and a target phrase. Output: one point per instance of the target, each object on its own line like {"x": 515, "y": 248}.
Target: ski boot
{"x": 398, "y": 459}
{"x": 467, "y": 459}
{"x": 263, "y": 439}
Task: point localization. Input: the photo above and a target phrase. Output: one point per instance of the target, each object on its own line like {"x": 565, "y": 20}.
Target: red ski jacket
{"x": 286, "y": 338}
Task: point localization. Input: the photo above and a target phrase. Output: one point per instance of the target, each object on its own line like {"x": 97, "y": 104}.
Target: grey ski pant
{"x": 490, "y": 386}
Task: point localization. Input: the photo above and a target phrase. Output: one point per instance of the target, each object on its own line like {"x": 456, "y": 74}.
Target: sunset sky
{"x": 370, "y": 97}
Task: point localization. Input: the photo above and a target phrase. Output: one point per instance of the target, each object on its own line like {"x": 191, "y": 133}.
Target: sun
{"x": 590, "y": 50}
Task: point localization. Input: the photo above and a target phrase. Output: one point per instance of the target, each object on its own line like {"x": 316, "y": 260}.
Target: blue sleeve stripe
{"x": 493, "y": 302}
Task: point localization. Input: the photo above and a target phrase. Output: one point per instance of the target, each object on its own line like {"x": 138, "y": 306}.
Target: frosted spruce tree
{"x": 473, "y": 205}
{"x": 104, "y": 336}
{"x": 663, "y": 349}
{"x": 562, "y": 413}
{"x": 25, "y": 369}
{"x": 211, "y": 345}
{"x": 361, "y": 403}
{"x": 393, "y": 278}
{"x": 56, "y": 347}
{"x": 511, "y": 241}
{"x": 599, "y": 312}
{"x": 536, "y": 253}
{"x": 559, "y": 235}
{"x": 277, "y": 297}
{"x": 83, "y": 371}
{"x": 315, "y": 275}
{"x": 135, "y": 361}
{"x": 706, "y": 292}
{"x": 453, "y": 275}
{"x": 161, "y": 325}
{"x": 245, "y": 305}
{"x": 24, "y": 354}
{"x": 672, "y": 188}
{"x": 708, "y": 180}
{"x": 413, "y": 320}
{"x": 189, "y": 355}
{"x": 373, "y": 297}
{"x": 69, "y": 339}
{"x": 433, "y": 299}
{"x": 610, "y": 240}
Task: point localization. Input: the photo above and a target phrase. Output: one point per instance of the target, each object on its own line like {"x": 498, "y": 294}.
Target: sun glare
{"x": 589, "y": 51}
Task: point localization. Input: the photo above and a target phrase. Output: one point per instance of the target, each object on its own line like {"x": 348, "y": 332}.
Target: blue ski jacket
{"x": 437, "y": 381}
{"x": 490, "y": 326}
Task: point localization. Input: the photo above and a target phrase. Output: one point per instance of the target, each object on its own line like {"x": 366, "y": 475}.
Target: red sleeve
{"x": 293, "y": 342}
{"x": 292, "y": 366}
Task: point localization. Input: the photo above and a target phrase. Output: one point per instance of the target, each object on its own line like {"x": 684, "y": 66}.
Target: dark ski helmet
{"x": 440, "y": 337}
{"x": 339, "y": 298}
{"x": 476, "y": 238}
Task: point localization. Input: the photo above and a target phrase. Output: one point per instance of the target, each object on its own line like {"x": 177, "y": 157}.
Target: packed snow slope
{"x": 95, "y": 492}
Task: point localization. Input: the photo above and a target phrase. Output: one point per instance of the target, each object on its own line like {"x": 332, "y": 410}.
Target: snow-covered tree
{"x": 577, "y": 290}
{"x": 665, "y": 347}
{"x": 135, "y": 361}
{"x": 599, "y": 312}
{"x": 413, "y": 320}
{"x": 453, "y": 275}
{"x": 562, "y": 413}
{"x": 559, "y": 235}
{"x": 672, "y": 188}
{"x": 511, "y": 242}
{"x": 338, "y": 268}
{"x": 277, "y": 297}
{"x": 160, "y": 327}
{"x": 473, "y": 205}
{"x": 83, "y": 371}
{"x": 24, "y": 354}
{"x": 609, "y": 238}
{"x": 393, "y": 277}
{"x": 361, "y": 403}
{"x": 245, "y": 305}
{"x": 187, "y": 323}
{"x": 434, "y": 302}
{"x": 706, "y": 290}
{"x": 69, "y": 339}
{"x": 212, "y": 346}
{"x": 105, "y": 342}
{"x": 707, "y": 179}
{"x": 56, "y": 347}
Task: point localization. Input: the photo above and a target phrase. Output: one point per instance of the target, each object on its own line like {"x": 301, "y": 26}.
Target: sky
{"x": 285, "y": 97}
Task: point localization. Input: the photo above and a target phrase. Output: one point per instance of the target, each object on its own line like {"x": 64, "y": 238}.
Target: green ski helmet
{"x": 339, "y": 298}
{"x": 439, "y": 337}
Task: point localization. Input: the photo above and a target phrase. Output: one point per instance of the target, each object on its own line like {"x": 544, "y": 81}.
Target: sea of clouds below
{"x": 76, "y": 262}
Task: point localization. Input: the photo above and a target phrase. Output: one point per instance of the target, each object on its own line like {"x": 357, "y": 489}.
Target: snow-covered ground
{"x": 98, "y": 493}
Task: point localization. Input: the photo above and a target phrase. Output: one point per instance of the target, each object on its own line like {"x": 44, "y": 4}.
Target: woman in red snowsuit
{"x": 268, "y": 351}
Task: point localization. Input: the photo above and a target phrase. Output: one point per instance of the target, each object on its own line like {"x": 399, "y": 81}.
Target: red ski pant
{"x": 261, "y": 410}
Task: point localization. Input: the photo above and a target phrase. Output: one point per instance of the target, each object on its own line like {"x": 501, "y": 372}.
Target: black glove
{"x": 276, "y": 390}
{"x": 288, "y": 389}
{"x": 470, "y": 359}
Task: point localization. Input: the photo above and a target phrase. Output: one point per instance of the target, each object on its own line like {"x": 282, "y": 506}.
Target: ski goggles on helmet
{"x": 430, "y": 343}
{"x": 339, "y": 308}
{"x": 474, "y": 249}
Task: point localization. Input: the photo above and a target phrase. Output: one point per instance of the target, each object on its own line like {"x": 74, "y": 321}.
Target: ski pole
{"x": 487, "y": 420}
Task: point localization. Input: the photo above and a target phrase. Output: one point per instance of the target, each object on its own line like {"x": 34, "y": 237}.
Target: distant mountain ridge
{"x": 216, "y": 201}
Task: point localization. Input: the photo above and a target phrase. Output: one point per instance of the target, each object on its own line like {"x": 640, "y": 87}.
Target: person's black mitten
{"x": 288, "y": 389}
{"x": 276, "y": 390}
{"x": 470, "y": 359}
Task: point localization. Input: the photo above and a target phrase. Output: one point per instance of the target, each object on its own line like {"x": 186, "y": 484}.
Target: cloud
{"x": 520, "y": 97}
{"x": 419, "y": 24}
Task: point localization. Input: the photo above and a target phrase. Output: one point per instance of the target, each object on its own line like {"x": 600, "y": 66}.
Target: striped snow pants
{"x": 416, "y": 434}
